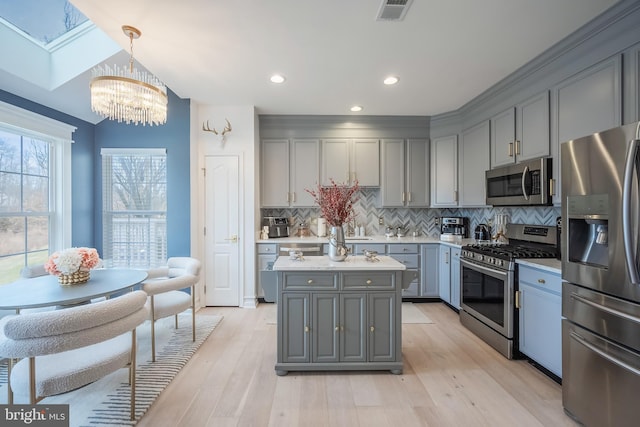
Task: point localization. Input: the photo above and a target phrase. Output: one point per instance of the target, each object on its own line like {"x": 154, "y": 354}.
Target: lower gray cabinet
{"x": 344, "y": 321}
{"x": 430, "y": 260}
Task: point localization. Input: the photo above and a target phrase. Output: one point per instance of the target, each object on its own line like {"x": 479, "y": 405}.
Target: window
{"x": 134, "y": 207}
{"x": 35, "y": 208}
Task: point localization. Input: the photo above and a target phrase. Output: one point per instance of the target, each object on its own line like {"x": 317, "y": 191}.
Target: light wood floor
{"x": 451, "y": 378}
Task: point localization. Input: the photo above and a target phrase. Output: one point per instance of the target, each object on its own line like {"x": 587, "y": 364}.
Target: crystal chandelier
{"x": 127, "y": 94}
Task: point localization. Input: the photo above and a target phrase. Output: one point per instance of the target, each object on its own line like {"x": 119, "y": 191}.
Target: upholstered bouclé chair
{"x": 63, "y": 350}
{"x": 165, "y": 287}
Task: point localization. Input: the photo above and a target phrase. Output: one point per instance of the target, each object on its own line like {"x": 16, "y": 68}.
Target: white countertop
{"x": 323, "y": 263}
{"x": 371, "y": 239}
{"x": 551, "y": 265}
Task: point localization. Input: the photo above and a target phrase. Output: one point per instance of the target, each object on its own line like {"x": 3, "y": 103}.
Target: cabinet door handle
{"x": 288, "y": 197}
{"x": 310, "y": 281}
{"x": 403, "y": 197}
{"x": 517, "y": 147}
{"x": 337, "y": 328}
{"x": 455, "y": 196}
{"x": 368, "y": 281}
{"x": 354, "y": 177}
{"x": 510, "y": 149}
{"x": 552, "y": 186}
{"x": 517, "y": 302}
{"x": 372, "y": 329}
{"x": 541, "y": 281}
{"x": 293, "y": 197}
{"x": 409, "y": 196}
{"x": 306, "y": 329}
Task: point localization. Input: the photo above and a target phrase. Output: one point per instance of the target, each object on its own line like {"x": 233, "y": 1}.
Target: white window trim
{"x": 28, "y": 123}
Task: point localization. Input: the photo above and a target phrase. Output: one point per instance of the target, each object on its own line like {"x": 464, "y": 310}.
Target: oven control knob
{"x": 480, "y": 257}
{"x": 499, "y": 262}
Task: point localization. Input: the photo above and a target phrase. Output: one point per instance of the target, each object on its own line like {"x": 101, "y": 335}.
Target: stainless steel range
{"x": 489, "y": 280}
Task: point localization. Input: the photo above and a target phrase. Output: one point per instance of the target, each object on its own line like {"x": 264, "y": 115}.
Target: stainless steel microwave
{"x": 522, "y": 184}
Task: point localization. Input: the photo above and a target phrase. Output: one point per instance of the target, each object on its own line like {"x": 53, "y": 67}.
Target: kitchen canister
{"x": 322, "y": 227}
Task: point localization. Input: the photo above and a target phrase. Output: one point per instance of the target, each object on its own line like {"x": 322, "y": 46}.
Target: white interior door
{"x": 222, "y": 219}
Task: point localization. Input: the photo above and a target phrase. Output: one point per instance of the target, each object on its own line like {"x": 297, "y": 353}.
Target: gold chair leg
{"x": 32, "y": 380}
{"x": 193, "y": 313}
{"x": 153, "y": 331}
{"x": 132, "y": 374}
{"x": 9, "y": 391}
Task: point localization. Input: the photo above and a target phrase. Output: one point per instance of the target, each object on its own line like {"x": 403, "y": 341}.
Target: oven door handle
{"x": 524, "y": 185}
{"x": 481, "y": 268}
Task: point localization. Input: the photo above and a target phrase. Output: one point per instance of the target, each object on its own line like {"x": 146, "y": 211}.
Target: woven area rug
{"x": 106, "y": 401}
{"x": 410, "y": 314}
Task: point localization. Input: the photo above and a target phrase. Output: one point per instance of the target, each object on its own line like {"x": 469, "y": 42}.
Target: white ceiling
{"x": 333, "y": 53}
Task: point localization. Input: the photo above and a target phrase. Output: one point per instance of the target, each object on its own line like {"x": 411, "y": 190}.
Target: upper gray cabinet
{"x": 288, "y": 168}
{"x": 347, "y": 161}
{"x": 587, "y": 102}
{"x": 521, "y": 132}
{"x": 444, "y": 171}
{"x": 404, "y": 173}
{"x": 474, "y": 161}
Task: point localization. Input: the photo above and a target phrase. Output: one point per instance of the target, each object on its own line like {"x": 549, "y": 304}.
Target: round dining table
{"x": 45, "y": 291}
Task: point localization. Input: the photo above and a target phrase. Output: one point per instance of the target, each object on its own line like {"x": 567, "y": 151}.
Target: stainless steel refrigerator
{"x": 600, "y": 270}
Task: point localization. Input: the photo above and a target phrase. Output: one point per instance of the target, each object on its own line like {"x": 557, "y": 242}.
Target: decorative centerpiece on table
{"x": 336, "y": 206}
{"x": 73, "y": 265}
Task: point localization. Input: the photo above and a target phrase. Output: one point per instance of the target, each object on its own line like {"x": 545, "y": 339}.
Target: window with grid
{"x": 134, "y": 207}
{"x": 35, "y": 183}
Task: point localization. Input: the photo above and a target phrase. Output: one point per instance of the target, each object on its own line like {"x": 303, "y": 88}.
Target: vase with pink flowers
{"x": 336, "y": 203}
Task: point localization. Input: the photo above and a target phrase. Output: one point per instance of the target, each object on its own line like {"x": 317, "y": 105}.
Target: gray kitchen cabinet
{"x": 295, "y": 324}
{"x": 429, "y": 270}
{"x": 474, "y": 161}
{"x": 540, "y": 317}
{"x": 347, "y": 161}
{"x": 267, "y": 254}
{"x": 444, "y": 273}
{"x": 444, "y": 171}
{"x": 587, "y": 102}
{"x": 521, "y": 132}
{"x": 404, "y": 169}
{"x": 449, "y": 275}
{"x": 455, "y": 278}
{"x": 288, "y": 168}
{"x": 339, "y": 321}
{"x": 274, "y": 167}
{"x": 409, "y": 255}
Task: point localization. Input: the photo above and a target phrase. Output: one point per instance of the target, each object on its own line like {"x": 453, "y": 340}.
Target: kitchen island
{"x": 339, "y": 315}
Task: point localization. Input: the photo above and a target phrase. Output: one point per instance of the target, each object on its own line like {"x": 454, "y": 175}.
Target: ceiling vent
{"x": 393, "y": 10}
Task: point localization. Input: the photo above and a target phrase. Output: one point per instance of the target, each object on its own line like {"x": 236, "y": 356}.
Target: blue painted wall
{"x": 87, "y": 170}
{"x": 174, "y": 136}
{"x": 82, "y": 168}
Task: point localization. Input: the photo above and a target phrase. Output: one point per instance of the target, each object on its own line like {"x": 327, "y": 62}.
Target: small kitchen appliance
{"x": 522, "y": 184}
{"x": 482, "y": 233}
{"x": 455, "y": 226}
{"x": 278, "y": 226}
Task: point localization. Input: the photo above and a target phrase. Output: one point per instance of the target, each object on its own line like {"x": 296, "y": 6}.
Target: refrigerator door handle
{"x": 524, "y": 186}
{"x": 627, "y": 232}
{"x": 604, "y": 354}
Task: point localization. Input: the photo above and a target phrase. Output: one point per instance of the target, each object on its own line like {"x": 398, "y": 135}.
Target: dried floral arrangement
{"x": 336, "y": 202}
{"x": 71, "y": 260}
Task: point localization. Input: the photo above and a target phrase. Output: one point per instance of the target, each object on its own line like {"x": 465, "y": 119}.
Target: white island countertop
{"x": 371, "y": 240}
{"x": 323, "y": 263}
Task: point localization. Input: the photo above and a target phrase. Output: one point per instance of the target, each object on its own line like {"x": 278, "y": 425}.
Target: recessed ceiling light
{"x": 277, "y": 78}
{"x": 356, "y": 108}
{"x": 391, "y": 80}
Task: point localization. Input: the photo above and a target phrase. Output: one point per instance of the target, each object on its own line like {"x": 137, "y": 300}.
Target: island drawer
{"x": 369, "y": 280}
{"x": 378, "y": 247}
{"x": 309, "y": 281}
{"x": 402, "y": 249}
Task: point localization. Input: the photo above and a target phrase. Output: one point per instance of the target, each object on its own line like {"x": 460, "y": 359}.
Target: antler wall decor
{"x": 226, "y": 129}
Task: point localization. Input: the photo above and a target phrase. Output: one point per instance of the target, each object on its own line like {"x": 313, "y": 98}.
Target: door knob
{"x": 233, "y": 239}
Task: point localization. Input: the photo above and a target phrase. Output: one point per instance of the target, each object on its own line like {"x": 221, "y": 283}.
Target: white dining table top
{"x": 44, "y": 291}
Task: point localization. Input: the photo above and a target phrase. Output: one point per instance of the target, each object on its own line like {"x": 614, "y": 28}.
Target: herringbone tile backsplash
{"x": 368, "y": 213}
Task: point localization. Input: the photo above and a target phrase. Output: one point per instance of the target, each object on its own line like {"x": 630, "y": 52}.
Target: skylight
{"x": 42, "y": 20}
